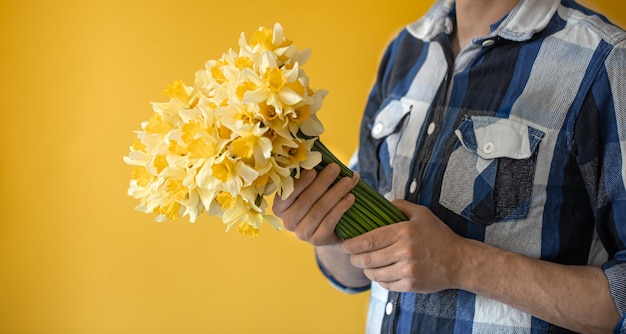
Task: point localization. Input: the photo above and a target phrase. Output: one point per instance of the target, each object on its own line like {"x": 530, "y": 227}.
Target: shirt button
{"x": 488, "y": 42}
{"x": 431, "y": 128}
{"x": 488, "y": 147}
{"x": 413, "y": 186}
{"x": 448, "y": 27}
{"x": 378, "y": 128}
{"x": 389, "y": 308}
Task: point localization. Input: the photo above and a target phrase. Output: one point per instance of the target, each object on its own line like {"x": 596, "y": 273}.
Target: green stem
{"x": 352, "y": 225}
{"x": 367, "y": 192}
{"x": 370, "y": 210}
{"x": 365, "y": 217}
{"x": 341, "y": 230}
{"x": 374, "y": 212}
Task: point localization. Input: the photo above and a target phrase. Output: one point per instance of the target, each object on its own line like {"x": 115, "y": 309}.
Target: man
{"x": 497, "y": 126}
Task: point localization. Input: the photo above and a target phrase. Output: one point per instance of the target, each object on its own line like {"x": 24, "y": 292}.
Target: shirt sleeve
{"x": 336, "y": 283}
{"x": 615, "y": 271}
{"x": 600, "y": 139}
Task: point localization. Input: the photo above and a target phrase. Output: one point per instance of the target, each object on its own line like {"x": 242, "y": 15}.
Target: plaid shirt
{"x": 518, "y": 142}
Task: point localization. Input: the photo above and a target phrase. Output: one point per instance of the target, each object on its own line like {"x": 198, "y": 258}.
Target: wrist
{"x": 335, "y": 264}
{"x": 473, "y": 260}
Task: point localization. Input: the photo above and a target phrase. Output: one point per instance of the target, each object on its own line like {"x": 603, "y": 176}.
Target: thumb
{"x": 410, "y": 209}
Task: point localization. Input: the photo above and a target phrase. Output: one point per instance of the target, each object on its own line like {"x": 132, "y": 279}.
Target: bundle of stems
{"x": 370, "y": 209}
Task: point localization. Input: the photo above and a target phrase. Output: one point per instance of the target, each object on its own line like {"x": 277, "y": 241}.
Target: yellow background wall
{"x": 77, "y": 77}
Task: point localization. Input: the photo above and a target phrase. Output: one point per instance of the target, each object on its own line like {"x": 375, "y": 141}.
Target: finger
{"x": 328, "y": 209}
{"x": 306, "y": 178}
{"x": 325, "y": 232}
{"x": 316, "y": 189}
{"x": 373, "y": 240}
{"x": 320, "y": 184}
{"x": 384, "y": 275}
{"x": 294, "y": 209}
{"x": 379, "y": 258}
{"x": 410, "y": 210}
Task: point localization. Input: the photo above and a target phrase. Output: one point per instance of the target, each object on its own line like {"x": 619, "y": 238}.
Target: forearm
{"x": 337, "y": 263}
{"x": 573, "y": 297}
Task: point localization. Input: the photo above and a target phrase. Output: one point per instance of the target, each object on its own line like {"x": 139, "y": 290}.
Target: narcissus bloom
{"x": 234, "y": 137}
{"x": 243, "y": 131}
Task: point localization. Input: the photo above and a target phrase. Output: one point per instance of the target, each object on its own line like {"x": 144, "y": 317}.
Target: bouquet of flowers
{"x": 242, "y": 132}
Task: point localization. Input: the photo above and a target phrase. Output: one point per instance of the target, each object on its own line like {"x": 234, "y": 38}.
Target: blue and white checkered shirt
{"x": 518, "y": 142}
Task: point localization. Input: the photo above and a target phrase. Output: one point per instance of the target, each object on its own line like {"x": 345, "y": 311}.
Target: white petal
{"x": 232, "y": 216}
{"x": 312, "y": 126}
{"x": 318, "y": 98}
{"x": 291, "y": 74}
{"x": 302, "y": 57}
{"x": 277, "y": 34}
{"x": 313, "y": 159}
{"x": 255, "y": 96}
{"x": 273, "y": 221}
{"x": 173, "y": 172}
{"x": 252, "y": 76}
{"x": 137, "y": 158}
{"x": 242, "y": 41}
{"x": 247, "y": 173}
{"x": 268, "y": 60}
{"x": 286, "y": 188}
{"x": 288, "y": 96}
{"x": 265, "y": 144}
{"x": 254, "y": 219}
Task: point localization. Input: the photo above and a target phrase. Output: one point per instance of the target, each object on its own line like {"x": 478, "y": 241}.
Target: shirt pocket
{"x": 386, "y": 131}
{"x": 489, "y": 176}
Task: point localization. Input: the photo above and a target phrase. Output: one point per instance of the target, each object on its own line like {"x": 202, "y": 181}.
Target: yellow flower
{"x": 160, "y": 162}
{"x": 227, "y": 174}
{"x": 269, "y": 113}
{"x": 216, "y": 72}
{"x": 176, "y": 192}
{"x": 223, "y": 144}
{"x": 243, "y": 88}
{"x": 202, "y": 147}
{"x": 269, "y": 39}
{"x": 157, "y": 125}
{"x": 141, "y": 176}
{"x": 243, "y": 62}
{"x": 275, "y": 79}
{"x": 225, "y": 200}
{"x": 271, "y": 83}
{"x": 298, "y": 154}
{"x": 281, "y": 176}
{"x": 250, "y": 219}
{"x": 224, "y": 170}
{"x": 178, "y": 91}
{"x": 251, "y": 144}
{"x": 273, "y": 40}
{"x": 247, "y": 229}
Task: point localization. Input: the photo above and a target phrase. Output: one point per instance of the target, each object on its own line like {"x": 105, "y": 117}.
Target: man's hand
{"x": 424, "y": 255}
{"x": 315, "y": 206}
{"x": 418, "y": 255}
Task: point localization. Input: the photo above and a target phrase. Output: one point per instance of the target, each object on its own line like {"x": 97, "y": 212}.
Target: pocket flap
{"x": 493, "y": 137}
{"x": 389, "y": 117}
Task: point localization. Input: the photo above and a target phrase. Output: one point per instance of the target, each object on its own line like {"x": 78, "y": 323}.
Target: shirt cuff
{"x": 336, "y": 283}
{"x": 615, "y": 271}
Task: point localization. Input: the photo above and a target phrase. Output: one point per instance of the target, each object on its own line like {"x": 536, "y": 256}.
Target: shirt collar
{"x": 526, "y": 19}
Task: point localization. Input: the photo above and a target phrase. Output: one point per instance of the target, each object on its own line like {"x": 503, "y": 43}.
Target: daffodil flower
{"x": 272, "y": 84}
{"x": 242, "y": 132}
